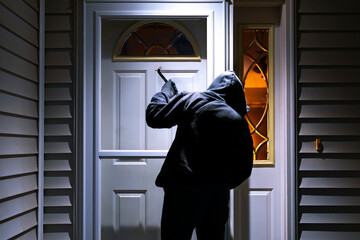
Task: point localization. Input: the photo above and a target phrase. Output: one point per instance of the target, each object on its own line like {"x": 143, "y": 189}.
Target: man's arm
{"x": 165, "y": 107}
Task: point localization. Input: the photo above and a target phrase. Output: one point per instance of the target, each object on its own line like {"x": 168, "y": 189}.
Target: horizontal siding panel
{"x": 341, "y": 146}
{"x": 18, "y": 86}
{"x": 324, "y": 22}
{"x": 57, "y": 111}
{"x": 18, "y": 126}
{"x": 18, "y": 46}
{"x": 329, "y": 111}
{"x": 56, "y": 6}
{"x": 18, "y": 66}
{"x": 18, "y": 205}
{"x": 329, "y": 183}
{"x": 329, "y": 201}
{"x": 58, "y": 58}
{"x": 57, "y": 201}
{"x": 344, "y": 57}
{"x": 58, "y": 23}
{"x": 33, "y": 3}
{"x": 31, "y": 235}
{"x": 24, "y": 11}
{"x": 17, "y": 165}
{"x": 56, "y": 148}
{"x": 56, "y": 218}
{"x": 58, "y": 40}
{"x": 57, "y": 94}
{"x": 58, "y": 75}
{"x": 59, "y": 61}
{"x": 18, "y": 145}
{"x": 57, "y": 130}
{"x": 329, "y": 6}
{"x": 57, "y": 236}
{"x": 57, "y": 165}
{"x": 329, "y": 235}
{"x": 18, "y": 106}
{"x": 18, "y": 225}
{"x": 18, "y": 26}
{"x": 329, "y": 129}
{"x": 328, "y": 99}
{"x": 57, "y": 183}
{"x": 330, "y": 218}
{"x": 329, "y": 75}
{"x": 329, "y": 40}
{"x": 335, "y": 93}
{"x": 329, "y": 164}
{"x": 14, "y": 186}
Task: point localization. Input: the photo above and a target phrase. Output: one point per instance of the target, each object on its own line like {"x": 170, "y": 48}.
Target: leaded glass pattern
{"x": 255, "y": 61}
{"x": 156, "y": 41}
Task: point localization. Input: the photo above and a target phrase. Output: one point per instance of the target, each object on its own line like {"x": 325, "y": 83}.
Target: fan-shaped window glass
{"x": 256, "y": 68}
{"x": 156, "y": 41}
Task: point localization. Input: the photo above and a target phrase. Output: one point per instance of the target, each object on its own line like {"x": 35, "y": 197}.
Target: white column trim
{"x": 288, "y": 171}
{"x": 40, "y": 228}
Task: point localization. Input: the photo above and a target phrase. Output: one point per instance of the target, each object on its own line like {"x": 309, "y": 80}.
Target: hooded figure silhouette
{"x": 212, "y": 142}
{"x": 211, "y": 153}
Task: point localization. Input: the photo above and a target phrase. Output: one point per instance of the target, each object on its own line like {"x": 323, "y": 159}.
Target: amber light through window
{"x": 255, "y": 61}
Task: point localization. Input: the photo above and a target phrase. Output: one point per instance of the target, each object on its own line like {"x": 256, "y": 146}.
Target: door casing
{"x": 91, "y": 13}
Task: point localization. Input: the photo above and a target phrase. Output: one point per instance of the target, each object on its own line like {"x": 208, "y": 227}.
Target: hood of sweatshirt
{"x": 230, "y": 88}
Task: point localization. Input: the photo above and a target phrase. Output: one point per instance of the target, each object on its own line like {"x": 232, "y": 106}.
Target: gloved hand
{"x": 169, "y": 88}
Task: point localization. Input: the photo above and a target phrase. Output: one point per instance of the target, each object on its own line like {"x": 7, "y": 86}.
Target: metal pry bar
{"x": 161, "y": 75}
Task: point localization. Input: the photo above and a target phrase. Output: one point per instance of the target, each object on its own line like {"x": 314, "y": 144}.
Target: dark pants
{"x": 201, "y": 207}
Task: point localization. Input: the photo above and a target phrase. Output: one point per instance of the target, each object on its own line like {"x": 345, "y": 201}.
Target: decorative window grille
{"x": 156, "y": 41}
{"x": 256, "y": 66}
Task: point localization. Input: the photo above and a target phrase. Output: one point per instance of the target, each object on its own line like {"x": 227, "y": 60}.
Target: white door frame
{"x": 287, "y": 119}
{"x": 93, "y": 13}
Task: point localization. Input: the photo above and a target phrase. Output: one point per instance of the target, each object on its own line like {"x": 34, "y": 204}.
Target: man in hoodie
{"x": 211, "y": 154}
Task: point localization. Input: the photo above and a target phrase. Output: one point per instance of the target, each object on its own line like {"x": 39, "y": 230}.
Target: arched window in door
{"x": 156, "y": 41}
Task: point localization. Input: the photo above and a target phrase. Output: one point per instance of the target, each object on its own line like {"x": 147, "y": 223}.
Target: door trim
{"x": 288, "y": 114}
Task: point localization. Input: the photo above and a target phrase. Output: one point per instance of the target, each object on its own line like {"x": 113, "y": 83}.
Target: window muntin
{"x": 256, "y": 71}
{"x": 156, "y": 40}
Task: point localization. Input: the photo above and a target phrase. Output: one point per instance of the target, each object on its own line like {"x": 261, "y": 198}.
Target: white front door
{"x": 122, "y": 156}
{"x": 131, "y": 204}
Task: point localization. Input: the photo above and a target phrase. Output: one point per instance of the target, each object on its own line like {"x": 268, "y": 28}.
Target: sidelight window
{"x": 256, "y": 69}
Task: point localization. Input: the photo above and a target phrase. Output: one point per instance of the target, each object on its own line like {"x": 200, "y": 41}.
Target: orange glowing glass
{"x": 255, "y": 69}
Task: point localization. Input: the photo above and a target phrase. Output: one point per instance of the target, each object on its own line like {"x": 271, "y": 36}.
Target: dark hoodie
{"x": 212, "y": 143}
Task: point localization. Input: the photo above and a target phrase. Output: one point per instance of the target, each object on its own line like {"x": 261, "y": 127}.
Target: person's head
{"x": 229, "y": 87}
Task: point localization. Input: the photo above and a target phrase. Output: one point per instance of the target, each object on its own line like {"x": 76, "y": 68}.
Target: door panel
{"x": 131, "y": 204}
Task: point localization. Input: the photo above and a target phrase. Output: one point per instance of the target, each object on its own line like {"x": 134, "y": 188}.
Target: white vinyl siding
{"x": 328, "y": 103}
{"x": 19, "y": 118}
{"x": 59, "y": 120}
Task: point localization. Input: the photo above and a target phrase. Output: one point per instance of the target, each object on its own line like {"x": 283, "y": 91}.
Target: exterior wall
{"x": 328, "y": 103}
{"x": 19, "y": 117}
{"x": 27, "y": 172}
{"x": 59, "y": 160}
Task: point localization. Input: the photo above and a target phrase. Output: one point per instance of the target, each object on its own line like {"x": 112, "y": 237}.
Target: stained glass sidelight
{"x": 255, "y": 73}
